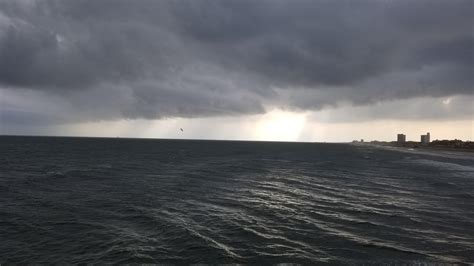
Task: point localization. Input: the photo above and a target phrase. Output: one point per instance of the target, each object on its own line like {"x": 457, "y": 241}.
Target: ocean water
{"x": 91, "y": 200}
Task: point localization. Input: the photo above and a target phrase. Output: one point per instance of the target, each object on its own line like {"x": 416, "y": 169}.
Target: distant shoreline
{"x": 428, "y": 147}
{"x": 407, "y": 145}
{"x": 416, "y": 146}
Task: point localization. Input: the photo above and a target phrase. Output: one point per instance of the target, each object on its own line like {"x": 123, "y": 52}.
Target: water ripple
{"x": 144, "y": 201}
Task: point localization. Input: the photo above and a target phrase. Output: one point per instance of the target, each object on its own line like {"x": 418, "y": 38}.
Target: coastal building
{"x": 425, "y": 139}
{"x": 401, "y": 138}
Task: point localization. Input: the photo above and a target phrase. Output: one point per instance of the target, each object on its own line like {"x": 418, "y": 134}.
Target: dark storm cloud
{"x": 151, "y": 59}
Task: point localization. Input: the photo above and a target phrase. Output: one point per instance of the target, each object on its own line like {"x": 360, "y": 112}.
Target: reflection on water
{"x": 82, "y": 200}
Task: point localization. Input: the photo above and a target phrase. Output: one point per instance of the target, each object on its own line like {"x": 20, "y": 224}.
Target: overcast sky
{"x": 223, "y": 69}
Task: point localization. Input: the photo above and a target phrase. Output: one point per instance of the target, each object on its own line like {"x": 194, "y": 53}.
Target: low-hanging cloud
{"x": 115, "y": 59}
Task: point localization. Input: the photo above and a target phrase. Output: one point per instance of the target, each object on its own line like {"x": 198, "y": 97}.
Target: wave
{"x": 194, "y": 202}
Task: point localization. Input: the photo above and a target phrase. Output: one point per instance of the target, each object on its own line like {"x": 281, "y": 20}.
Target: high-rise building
{"x": 425, "y": 139}
{"x": 401, "y": 138}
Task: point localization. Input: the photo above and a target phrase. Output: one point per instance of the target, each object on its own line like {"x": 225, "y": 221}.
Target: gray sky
{"x": 68, "y": 63}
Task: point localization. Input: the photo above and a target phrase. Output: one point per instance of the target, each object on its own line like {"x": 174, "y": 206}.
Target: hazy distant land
{"x": 441, "y": 145}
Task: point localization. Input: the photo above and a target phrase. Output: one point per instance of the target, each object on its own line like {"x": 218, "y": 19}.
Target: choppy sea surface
{"x": 92, "y": 200}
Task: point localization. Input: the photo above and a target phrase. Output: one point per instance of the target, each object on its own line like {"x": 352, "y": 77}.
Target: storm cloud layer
{"x": 110, "y": 59}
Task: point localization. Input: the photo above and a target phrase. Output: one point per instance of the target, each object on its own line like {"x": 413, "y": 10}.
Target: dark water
{"x": 77, "y": 200}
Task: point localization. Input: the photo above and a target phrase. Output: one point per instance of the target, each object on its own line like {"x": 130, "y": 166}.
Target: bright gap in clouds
{"x": 280, "y": 126}
{"x": 452, "y": 117}
{"x": 276, "y": 125}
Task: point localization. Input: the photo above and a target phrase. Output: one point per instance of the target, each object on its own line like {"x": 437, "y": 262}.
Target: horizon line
{"x": 203, "y": 139}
